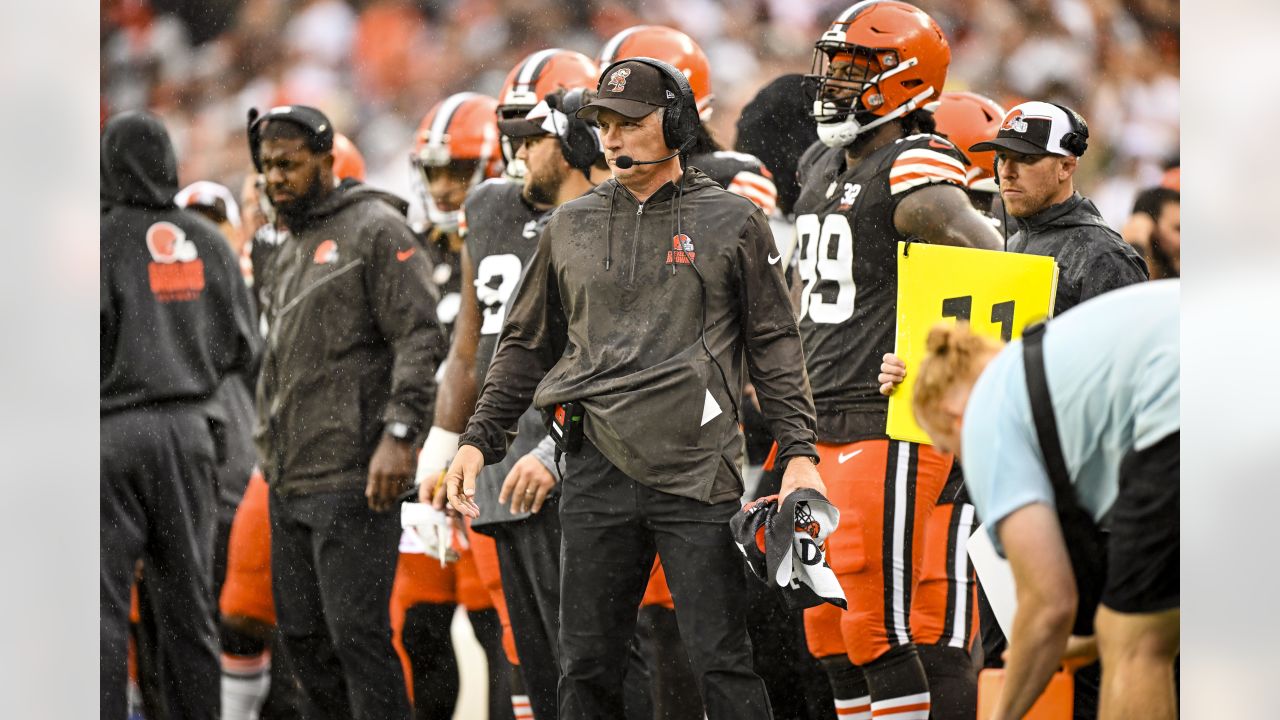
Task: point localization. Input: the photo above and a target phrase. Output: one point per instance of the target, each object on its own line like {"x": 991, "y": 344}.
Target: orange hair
{"x": 954, "y": 354}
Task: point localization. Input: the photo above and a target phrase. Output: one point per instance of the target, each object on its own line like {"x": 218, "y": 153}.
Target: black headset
{"x": 1076, "y": 140}
{"x": 579, "y": 142}
{"x": 680, "y": 121}
{"x": 319, "y": 129}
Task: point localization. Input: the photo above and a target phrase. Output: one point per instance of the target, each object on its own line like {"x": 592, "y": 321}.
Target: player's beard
{"x": 294, "y": 212}
{"x": 543, "y": 188}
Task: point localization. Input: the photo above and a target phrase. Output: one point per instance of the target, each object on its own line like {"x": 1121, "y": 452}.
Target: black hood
{"x": 348, "y": 192}
{"x": 137, "y": 165}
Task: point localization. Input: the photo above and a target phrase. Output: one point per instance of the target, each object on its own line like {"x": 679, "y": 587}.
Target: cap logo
{"x": 671, "y": 95}
{"x": 618, "y": 79}
{"x": 1013, "y": 121}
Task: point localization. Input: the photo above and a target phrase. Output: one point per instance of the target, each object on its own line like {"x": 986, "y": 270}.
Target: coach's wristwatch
{"x": 400, "y": 431}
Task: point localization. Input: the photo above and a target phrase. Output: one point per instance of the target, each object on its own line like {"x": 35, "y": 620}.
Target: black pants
{"x": 611, "y": 527}
{"x": 332, "y": 564}
{"x": 529, "y": 561}
{"x": 158, "y": 503}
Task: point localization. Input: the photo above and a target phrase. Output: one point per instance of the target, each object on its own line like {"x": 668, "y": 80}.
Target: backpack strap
{"x": 1086, "y": 543}
{"x": 1042, "y": 412}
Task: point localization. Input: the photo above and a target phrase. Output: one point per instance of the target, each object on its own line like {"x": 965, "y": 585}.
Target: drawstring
{"x": 608, "y": 232}
{"x": 679, "y": 202}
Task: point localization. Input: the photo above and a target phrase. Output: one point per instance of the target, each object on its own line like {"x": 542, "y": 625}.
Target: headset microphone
{"x": 625, "y": 161}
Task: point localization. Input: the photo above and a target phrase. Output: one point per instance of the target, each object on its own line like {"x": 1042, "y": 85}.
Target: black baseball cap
{"x": 632, "y": 89}
{"x": 315, "y": 123}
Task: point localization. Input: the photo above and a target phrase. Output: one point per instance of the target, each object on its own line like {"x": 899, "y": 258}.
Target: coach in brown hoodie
{"x": 642, "y": 302}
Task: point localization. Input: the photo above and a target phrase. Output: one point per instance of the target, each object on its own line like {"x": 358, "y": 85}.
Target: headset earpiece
{"x": 1076, "y": 140}
{"x": 579, "y": 144}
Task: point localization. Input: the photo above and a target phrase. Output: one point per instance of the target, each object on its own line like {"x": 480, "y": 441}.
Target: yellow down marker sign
{"x": 998, "y": 293}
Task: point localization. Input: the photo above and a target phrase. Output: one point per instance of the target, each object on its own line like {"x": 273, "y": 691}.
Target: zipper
{"x": 635, "y": 246}
{"x": 311, "y": 288}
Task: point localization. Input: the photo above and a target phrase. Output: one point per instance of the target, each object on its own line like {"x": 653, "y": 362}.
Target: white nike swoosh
{"x": 773, "y": 259}
{"x": 847, "y": 456}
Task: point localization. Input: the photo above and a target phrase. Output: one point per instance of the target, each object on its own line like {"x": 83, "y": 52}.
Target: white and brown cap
{"x": 1039, "y": 128}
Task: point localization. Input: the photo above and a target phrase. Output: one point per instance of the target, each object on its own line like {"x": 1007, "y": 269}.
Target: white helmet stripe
{"x": 853, "y": 10}
{"x": 531, "y": 68}
{"x": 444, "y": 116}
{"x": 610, "y": 51}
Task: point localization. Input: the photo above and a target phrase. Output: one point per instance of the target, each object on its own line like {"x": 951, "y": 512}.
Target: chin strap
{"x": 842, "y": 133}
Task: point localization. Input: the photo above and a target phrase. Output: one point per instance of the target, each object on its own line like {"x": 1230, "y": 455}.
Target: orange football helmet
{"x": 461, "y": 128}
{"x": 347, "y": 160}
{"x": 530, "y": 81}
{"x": 878, "y": 61}
{"x": 670, "y": 46}
{"x": 968, "y": 119}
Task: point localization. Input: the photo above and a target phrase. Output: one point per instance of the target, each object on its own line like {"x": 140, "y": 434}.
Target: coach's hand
{"x": 390, "y": 471}
{"x": 892, "y": 372}
{"x": 800, "y": 473}
{"x": 460, "y": 481}
{"x": 527, "y": 485}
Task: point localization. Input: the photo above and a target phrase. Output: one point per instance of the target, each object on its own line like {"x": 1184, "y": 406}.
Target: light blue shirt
{"x": 1112, "y": 364}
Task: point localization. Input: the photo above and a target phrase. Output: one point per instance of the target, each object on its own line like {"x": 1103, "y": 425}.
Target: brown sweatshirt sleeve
{"x": 774, "y": 353}
{"x": 533, "y": 338}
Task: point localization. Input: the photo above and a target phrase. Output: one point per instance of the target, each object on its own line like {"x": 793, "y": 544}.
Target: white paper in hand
{"x": 996, "y": 577}
{"x": 431, "y": 528}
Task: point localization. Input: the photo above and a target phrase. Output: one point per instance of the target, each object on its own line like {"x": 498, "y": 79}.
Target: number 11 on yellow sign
{"x": 998, "y": 293}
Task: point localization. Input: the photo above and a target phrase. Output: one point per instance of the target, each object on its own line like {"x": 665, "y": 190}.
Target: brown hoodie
{"x": 611, "y": 313}
{"x": 353, "y": 341}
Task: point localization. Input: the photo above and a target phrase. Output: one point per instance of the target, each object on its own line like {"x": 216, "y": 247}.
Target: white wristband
{"x": 437, "y": 452}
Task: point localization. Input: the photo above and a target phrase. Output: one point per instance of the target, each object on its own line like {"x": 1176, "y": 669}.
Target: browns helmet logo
{"x": 618, "y": 79}
{"x": 175, "y": 273}
{"x": 681, "y": 251}
{"x": 168, "y": 243}
{"x": 805, "y": 522}
{"x": 326, "y": 253}
{"x": 1014, "y": 121}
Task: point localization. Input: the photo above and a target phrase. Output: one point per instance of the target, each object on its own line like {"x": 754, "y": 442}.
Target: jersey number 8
{"x": 496, "y": 278}
{"x": 826, "y": 256}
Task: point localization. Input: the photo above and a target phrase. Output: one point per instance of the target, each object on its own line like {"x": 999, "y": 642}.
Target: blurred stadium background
{"x": 377, "y": 66}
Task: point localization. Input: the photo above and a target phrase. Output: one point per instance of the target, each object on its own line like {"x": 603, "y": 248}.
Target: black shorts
{"x": 1142, "y": 561}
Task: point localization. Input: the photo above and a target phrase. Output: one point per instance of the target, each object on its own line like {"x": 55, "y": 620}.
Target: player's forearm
{"x": 1040, "y": 631}
{"x": 456, "y": 398}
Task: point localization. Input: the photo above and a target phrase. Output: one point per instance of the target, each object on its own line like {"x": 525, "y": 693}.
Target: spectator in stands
{"x": 1155, "y": 230}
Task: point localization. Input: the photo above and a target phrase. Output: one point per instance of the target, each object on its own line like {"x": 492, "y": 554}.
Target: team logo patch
{"x": 175, "y": 273}
{"x": 168, "y": 243}
{"x": 1013, "y": 121}
{"x": 681, "y": 251}
{"x": 326, "y": 253}
{"x": 618, "y": 79}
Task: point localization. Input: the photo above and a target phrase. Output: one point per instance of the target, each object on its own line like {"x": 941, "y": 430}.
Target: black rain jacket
{"x": 1092, "y": 258}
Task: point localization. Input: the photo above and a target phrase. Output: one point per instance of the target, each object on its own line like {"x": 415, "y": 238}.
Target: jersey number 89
{"x": 826, "y": 256}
